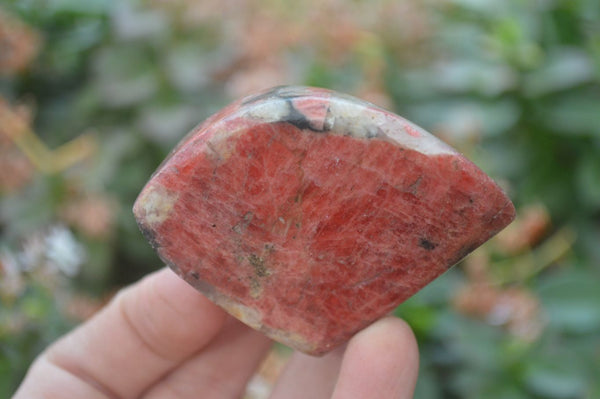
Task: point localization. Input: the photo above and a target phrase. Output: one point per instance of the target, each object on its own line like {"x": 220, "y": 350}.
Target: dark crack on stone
{"x": 298, "y": 119}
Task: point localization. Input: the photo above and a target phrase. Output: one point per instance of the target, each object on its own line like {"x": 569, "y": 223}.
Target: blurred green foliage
{"x": 514, "y": 84}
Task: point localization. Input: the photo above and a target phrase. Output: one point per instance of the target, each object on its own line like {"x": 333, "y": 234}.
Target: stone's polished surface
{"x": 309, "y": 214}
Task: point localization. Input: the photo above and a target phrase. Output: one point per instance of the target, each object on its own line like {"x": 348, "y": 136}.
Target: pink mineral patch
{"x": 311, "y": 230}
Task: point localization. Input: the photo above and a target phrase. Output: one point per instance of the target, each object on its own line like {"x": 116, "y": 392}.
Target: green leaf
{"x": 467, "y": 75}
{"x": 189, "y": 67}
{"x": 486, "y": 7}
{"x": 565, "y": 68}
{"x": 125, "y": 76}
{"x": 79, "y": 7}
{"x": 554, "y": 377}
{"x": 573, "y": 114}
{"x": 131, "y": 23}
{"x": 459, "y": 118}
{"x": 165, "y": 123}
{"x": 571, "y": 302}
{"x": 588, "y": 180}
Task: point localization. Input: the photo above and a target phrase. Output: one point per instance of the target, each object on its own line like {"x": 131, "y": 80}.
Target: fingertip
{"x": 389, "y": 335}
{"x": 380, "y": 361}
{"x": 179, "y": 295}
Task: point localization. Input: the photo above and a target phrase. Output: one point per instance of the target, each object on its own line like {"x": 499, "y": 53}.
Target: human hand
{"x": 160, "y": 338}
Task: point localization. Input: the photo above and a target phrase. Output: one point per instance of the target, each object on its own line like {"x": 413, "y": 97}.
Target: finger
{"x": 46, "y": 380}
{"x": 381, "y": 361}
{"x": 309, "y": 377}
{"x": 146, "y": 331}
{"x": 221, "y": 370}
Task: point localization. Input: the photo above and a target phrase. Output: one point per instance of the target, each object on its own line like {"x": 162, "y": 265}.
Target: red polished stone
{"x": 309, "y": 214}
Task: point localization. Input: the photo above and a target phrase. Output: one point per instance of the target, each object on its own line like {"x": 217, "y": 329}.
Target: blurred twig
{"x": 530, "y": 263}
{"x": 44, "y": 159}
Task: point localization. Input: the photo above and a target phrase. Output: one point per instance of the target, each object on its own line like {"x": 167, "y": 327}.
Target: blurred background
{"x": 94, "y": 94}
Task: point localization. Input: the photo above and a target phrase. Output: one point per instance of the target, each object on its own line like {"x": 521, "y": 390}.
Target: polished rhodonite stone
{"x": 309, "y": 214}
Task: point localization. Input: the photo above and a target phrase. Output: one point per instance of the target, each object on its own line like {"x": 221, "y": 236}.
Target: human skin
{"x": 160, "y": 338}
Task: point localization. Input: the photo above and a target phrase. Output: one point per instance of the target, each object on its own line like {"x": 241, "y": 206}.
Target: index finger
{"x": 146, "y": 331}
